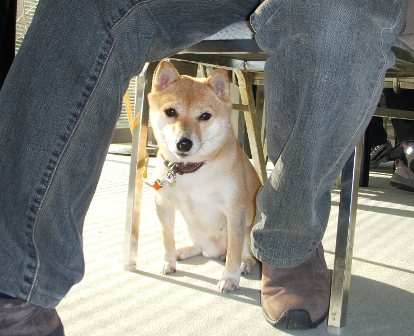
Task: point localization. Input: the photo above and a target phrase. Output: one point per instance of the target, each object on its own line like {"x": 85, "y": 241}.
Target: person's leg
{"x": 323, "y": 80}
{"x": 404, "y": 129}
{"x": 377, "y": 134}
{"x": 403, "y": 153}
{"x": 378, "y": 141}
{"x": 59, "y": 106}
{"x": 403, "y": 156}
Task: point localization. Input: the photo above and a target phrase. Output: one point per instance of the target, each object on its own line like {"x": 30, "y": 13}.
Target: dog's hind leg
{"x": 188, "y": 252}
{"x": 248, "y": 260}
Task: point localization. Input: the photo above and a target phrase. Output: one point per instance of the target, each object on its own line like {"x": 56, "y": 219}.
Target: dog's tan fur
{"x": 218, "y": 200}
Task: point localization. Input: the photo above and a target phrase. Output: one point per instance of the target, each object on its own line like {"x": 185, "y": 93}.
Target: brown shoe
{"x": 298, "y": 297}
{"x": 19, "y": 318}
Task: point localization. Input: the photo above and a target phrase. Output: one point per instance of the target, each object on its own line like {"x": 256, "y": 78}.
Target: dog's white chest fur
{"x": 202, "y": 206}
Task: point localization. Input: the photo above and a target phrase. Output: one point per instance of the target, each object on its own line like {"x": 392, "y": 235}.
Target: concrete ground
{"x": 113, "y": 302}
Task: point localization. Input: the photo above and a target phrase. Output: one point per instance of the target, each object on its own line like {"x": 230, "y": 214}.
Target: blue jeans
{"x": 323, "y": 80}
{"x": 63, "y": 94}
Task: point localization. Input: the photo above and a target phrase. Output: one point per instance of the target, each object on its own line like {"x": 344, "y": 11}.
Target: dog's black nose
{"x": 184, "y": 145}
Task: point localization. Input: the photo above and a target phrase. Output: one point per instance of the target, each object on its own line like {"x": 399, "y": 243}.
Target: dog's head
{"x": 190, "y": 116}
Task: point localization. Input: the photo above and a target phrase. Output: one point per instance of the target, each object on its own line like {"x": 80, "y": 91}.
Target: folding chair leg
{"x": 341, "y": 277}
{"x": 252, "y": 124}
{"x": 137, "y": 167}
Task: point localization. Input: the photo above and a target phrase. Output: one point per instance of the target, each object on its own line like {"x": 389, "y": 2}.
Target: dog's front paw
{"x": 168, "y": 267}
{"x": 227, "y": 284}
{"x": 247, "y": 265}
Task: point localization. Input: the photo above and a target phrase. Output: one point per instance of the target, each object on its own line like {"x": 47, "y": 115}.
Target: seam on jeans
{"x": 144, "y": 4}
{"x": 289, "y": 137}
{"x": 384, "y": 68}
{"x": 160, "y": 26}
{"x": 272, "y": 11}
{"x": 47, "y": 179}
{"x": 128, "y": 12}
{"x": 18, "y": 285}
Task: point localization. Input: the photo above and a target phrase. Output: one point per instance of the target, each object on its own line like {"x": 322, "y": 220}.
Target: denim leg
{"x": 323, "y": 80}
{"x": 58, "y": 109}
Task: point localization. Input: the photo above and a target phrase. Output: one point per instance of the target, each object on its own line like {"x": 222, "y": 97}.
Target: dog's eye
{"x": 204, "y": 116}
{"x": 170, "y": 112}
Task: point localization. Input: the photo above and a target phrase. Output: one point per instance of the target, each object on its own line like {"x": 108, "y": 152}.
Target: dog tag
{"x": 169, "y": 177}
{"x": 155, "y": 185}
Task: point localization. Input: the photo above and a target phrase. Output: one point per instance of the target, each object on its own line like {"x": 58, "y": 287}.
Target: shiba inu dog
{"x": 202, "y": 172}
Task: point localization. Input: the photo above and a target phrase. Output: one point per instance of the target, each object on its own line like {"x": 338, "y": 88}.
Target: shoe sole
{"x": 294, "y": 319}
{"x": 400, "y": 183}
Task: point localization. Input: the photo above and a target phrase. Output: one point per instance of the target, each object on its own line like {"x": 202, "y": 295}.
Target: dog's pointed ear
{"x": 219, "y": 81}
{"x": 165, "y": 74}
